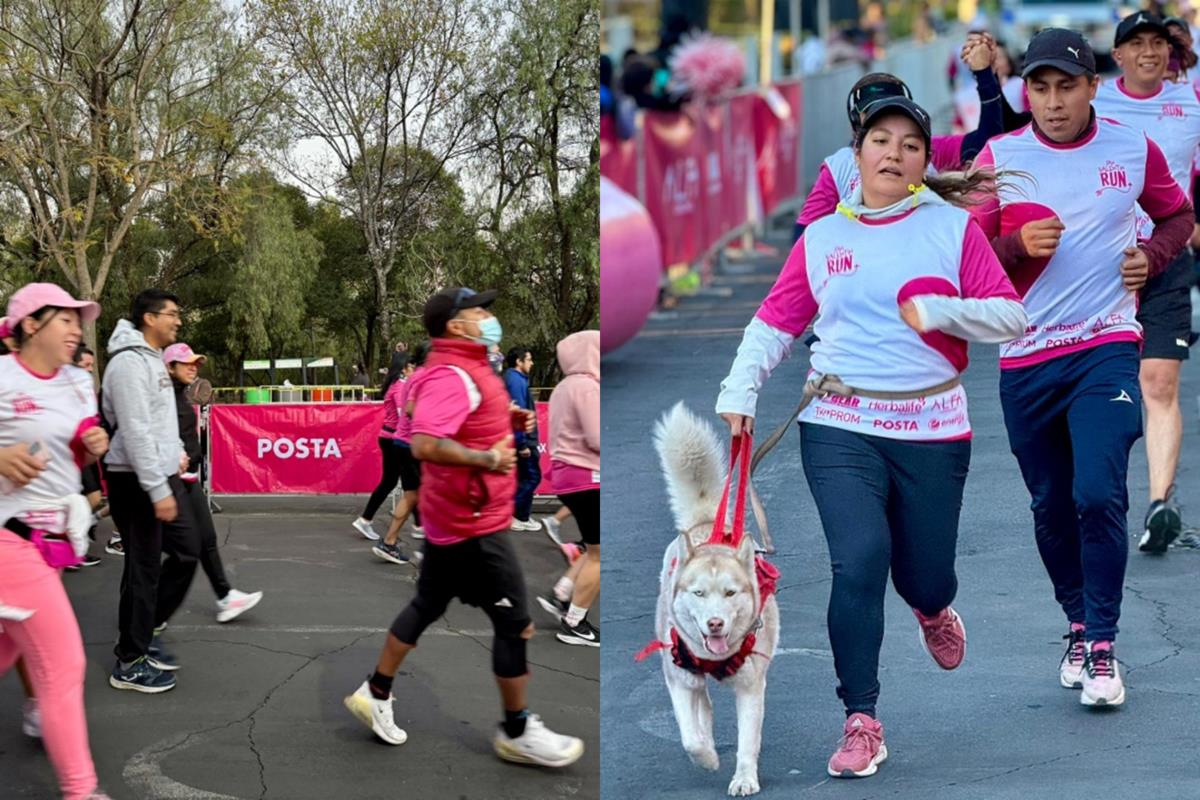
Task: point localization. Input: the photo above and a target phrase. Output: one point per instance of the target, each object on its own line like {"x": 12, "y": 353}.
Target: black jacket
{"x": 189, "y": 430}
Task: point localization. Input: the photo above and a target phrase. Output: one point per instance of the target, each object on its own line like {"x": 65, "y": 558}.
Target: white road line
{"x": 143, "y": 773}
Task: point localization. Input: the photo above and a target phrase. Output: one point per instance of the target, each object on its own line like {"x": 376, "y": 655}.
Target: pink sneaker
{"x": 943, "y": 637}
{"x": 861, "y": 750}
{"x": 1070, "y": 669}
{"x": 1102, "y": 684}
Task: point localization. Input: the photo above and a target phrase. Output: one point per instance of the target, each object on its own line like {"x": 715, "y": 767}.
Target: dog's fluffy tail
{"x": 692, "y": 463}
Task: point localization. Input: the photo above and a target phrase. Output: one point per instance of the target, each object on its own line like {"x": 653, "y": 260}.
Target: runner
{"x": 1069, "y": 386}
{"x": 1168, "y": 113}
{"x": 519, "y": 363}
{"x": 393, "y": 384}
{"x": 184, "y": 367}
{"x": 839, "y": 176}
{"x": 901, "y": 280}
{"x": 462, "y": 432}
{"x": 148, "y": 499}
{"x": 575, "y": 477}
{"x": 410, "y": 470}
{"x": 47, "y": 432}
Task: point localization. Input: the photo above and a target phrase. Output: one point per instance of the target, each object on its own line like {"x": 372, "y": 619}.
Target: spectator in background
{"x": 620, "y": 110}
{"x": 401, "y": 347}
{"x": 85, "y": 358}
{"x": 529, "y": 474}
{"x": 638, "y": 83}
{"x": 361, "y": 378}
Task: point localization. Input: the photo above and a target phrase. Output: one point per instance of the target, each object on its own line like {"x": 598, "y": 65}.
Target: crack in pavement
{"x": 244, "y": 644}
{"x": 446, "y": 621}
{"x": 1160, "y": 616}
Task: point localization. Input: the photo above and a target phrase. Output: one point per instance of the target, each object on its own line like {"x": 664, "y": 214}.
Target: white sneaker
{"x": 1102, "y": 684}
{"x": 31, "y": 722}
{"x": 375, "y": 714}
{"x": 418, "y": 532}
{"x": 1070, "y": 669}
{"x": 234, "y": 603}
{"x": 364, "y": 527}
{"x": 527, "y": 525}
{"x": 538, "y": 745}
{"x": 552, "y": 526}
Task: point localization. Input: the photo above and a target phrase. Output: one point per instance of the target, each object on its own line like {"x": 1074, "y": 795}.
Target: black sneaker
{"x": 1163, "y": 526}
{"x": 141, "y": 676}
{"x": 115, "y": 547}
{"x": 582, "y": 634}
{"x": 159, "y": 658}
{"x": 550, "y": 602}
{"x": 391, "y": 552}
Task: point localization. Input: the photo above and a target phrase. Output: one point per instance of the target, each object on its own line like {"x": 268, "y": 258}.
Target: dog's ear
{"x": 686, "y": 548}
{"x": 745, "y": 552}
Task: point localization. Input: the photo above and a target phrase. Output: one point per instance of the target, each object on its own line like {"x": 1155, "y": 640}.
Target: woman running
{"x": 48, "y": 431}
{"x": 410, "y": 469}
{"x": 901, "y": 278}
{"x": 184, "y": 366}
{"x": 392, "y": 385}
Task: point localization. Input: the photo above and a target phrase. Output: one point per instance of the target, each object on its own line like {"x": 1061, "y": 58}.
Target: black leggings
{"x": 884, "y": 503}
{"x": 585, "y": 507}
{"x": 391, "y": 476}
{"x": 210, "y": 558}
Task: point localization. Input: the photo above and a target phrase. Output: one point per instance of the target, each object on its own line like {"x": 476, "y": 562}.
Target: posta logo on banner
{"x": 319, "y": 448}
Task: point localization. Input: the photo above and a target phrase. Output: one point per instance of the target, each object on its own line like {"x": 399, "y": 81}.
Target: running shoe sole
{"x": 362, "y": 712}
{"x": 577, "y": 641}
{"x": 113, "y": 551}
{"x": 230, "y": 614}
{"x": 162, "y": 665}
{"x": 389, "y": 557}
{"x": 871, "y": 769}
{"x": 1101, "y": 702}
{"x": 369, "y": 534}
{"x": 550, "y": 608}
{"x": 117, "y": 683}
{"x": 551, "y": 535}
{"x": 509, "y": 753}
{"x": 1066, "y": 684}
{"x": 1162, "y": 528}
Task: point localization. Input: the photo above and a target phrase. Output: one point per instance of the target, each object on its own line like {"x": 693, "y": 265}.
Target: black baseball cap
{"x": 1061, "y": 49}
{"x": 896, "y": 105}
{"x": 445, "y": 305}
{"x": 1141, "y": 21}
{"x": 870, "y": 88}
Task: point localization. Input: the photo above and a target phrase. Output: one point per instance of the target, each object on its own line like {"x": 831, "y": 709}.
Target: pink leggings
{"x": 52, "y": 648}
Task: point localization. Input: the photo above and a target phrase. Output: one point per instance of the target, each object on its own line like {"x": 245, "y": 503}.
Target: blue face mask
{"x": 489, "y": 332}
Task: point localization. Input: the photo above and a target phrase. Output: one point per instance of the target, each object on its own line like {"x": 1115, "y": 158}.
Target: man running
{"x": 462, "y": 432}
{"x": 519, "y": 363}
{"x": 1069, "y": 385}
{"x": 1168, "y": 113}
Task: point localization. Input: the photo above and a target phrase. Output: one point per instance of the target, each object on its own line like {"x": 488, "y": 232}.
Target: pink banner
{"x": 618, "y": 159}
{"x": 741, "y": 159}
{"x": 718, "y": 211}
{"x": 317, "y": 448}
{"x": 543, "y": 434}
{"x": 674, "y": 185}
{"x": 777, "y": 143}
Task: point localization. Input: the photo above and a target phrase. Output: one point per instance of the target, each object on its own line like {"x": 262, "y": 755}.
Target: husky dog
{"x": 709, "y": 596}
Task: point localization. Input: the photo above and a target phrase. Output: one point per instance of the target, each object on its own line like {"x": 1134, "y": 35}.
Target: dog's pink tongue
{"x": 717, "y": 645}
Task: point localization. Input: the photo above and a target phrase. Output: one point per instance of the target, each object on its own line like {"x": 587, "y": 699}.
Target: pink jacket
{"x": 575, "y": 402}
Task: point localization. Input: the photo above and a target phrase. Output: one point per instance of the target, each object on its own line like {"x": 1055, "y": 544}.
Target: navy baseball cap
{"x": 1061, "y": 49}
{"x": 896, "y": 105}
{"x": 1141, "y": 21}
{"x": 445, "y": 305}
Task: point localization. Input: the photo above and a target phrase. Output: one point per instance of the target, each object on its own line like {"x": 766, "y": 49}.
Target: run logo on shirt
{"x": 840, "y": 262}
{"x": 1112, "y": 176}
{"x": 23, "y": 405}
{"x": 1172, "y": 110}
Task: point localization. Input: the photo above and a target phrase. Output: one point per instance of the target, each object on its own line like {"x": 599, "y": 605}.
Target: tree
{"x": 104, "y": 105}
{"x": 385, "y": 87}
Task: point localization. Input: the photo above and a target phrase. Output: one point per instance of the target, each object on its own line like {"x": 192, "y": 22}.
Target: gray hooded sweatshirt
{"x": 140, "y": 400}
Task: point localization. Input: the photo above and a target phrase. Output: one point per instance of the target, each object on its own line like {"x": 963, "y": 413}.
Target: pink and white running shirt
{"x": 856, "y": 273}
{"x": 52, "y": 410}
{"x": 1076, "y": 299}
{"x": 1170, "y": 117}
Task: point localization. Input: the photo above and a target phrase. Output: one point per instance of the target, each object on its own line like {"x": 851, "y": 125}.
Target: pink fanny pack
{"x": 55, "y": 548}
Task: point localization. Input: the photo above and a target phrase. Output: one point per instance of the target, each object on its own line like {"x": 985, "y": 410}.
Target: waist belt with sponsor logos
{"x": 823, "y": 386}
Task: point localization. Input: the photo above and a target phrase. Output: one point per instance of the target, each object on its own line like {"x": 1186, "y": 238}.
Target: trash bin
{"x": 258, "y": 396}
{"x": 322, "y": 395}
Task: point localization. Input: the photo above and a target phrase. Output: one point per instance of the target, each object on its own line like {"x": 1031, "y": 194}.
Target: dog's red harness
{"x": 766, "y": 574}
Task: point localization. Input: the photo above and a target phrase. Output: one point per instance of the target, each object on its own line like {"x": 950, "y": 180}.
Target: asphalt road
{"x": 1000, "y": 726}
{"x": 258, "y": 709}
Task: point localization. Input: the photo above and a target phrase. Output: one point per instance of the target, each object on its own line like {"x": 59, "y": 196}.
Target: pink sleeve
{"x": 78, "y": 449}
{"x": 821, "y": 201}
{"x": 987, "y": 213}
{"x": 441, "y": 405}
{"x": 1161, "y": 196}
{"x": 790, "y": 304}
{"x": 946, "y": 152}
{"x": 399, "y": 396}
{"x": 980, "y": 274}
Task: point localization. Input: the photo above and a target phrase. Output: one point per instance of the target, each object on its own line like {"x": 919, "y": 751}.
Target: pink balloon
{"x": 631, "y": 266}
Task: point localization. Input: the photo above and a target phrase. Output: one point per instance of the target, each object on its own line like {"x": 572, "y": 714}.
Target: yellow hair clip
{"x": 849, "y": 212}
{"x": 916, "y": 190}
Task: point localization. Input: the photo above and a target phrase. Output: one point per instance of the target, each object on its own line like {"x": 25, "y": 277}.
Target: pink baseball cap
{"x": 32, "y": 296}
{"x": 181, "y": 353}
